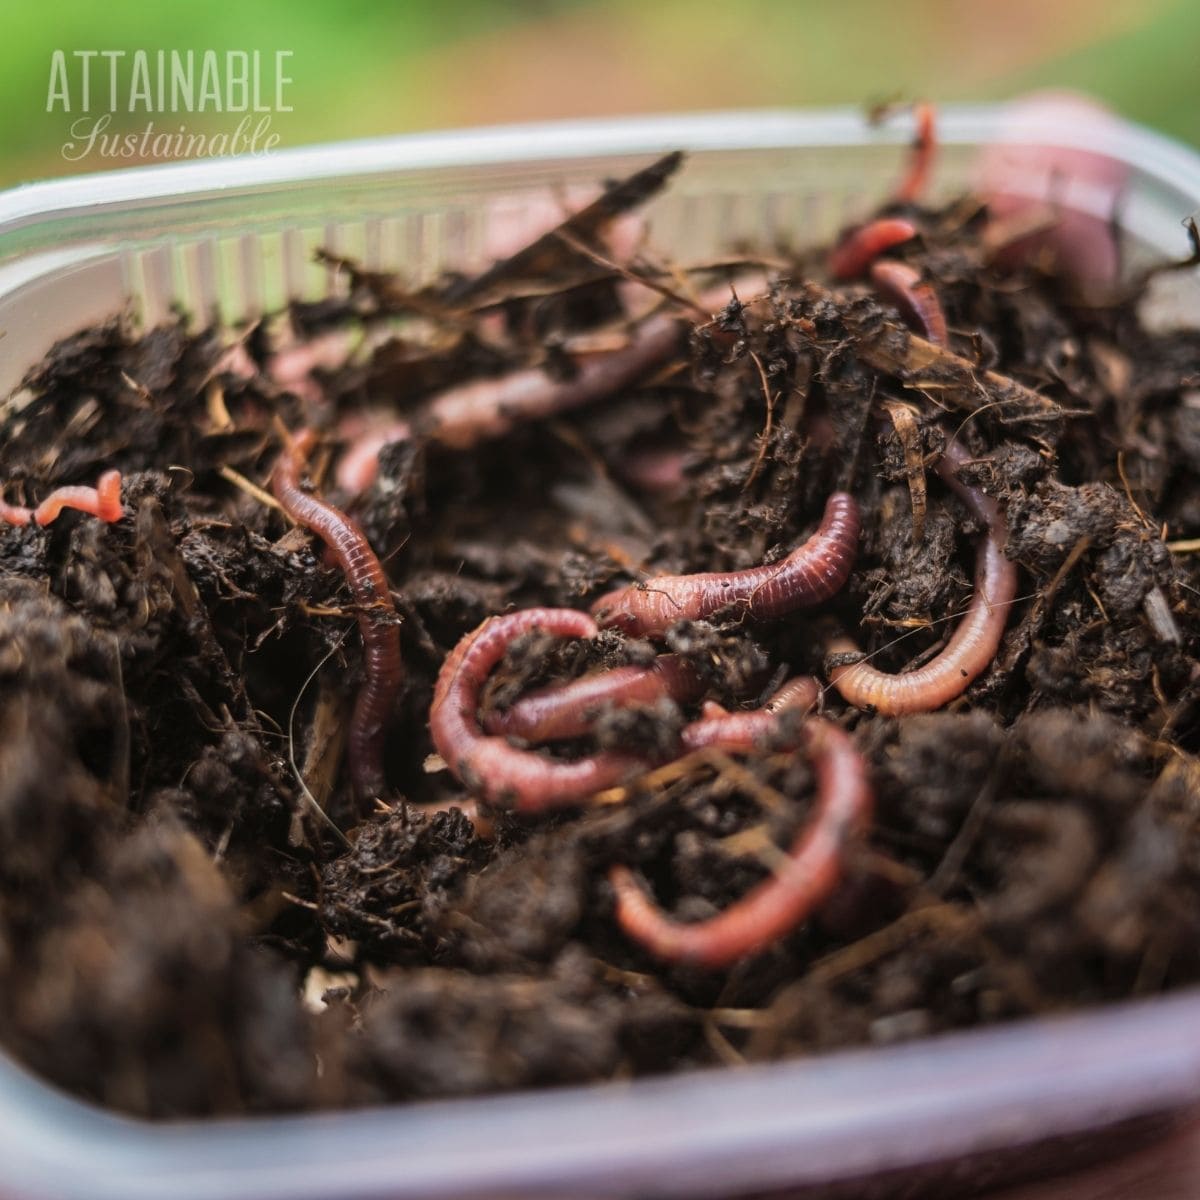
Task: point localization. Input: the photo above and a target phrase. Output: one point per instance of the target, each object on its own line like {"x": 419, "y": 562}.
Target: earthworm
{"x": 14, "y": 514}
{"x": 811, "y": 573}
{"x": 569, "y": 710}
{"x": 973, "y": 644}
{"x": 359, "y": 463}
{"x": 902, "y": 285}
{"x": 368, "y": 584}
{"x": 743, "y": 731}
{"x": 811, "y": 870}
{"x": 924, "y": 147}
{"x": 488, "y": 408}
{"x": 102, "y": 501}
{"x": 662, "y": 471}
{"x": 491, "y": 407}
{"x": 502, "y": 774}
{"x": 862, "y": 246}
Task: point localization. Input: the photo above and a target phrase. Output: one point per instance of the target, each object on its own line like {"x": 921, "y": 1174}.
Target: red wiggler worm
{"x": 102, "y": 501}
{"x": 569, "y": 710}
{"x": 902, "y": 285}
{"x": 359, "y": 463}
{"x": 774, "y": 907}
{"x": 920, "y": 163}
{"x": 368, "y": 584}
{"x": 501, "y": 774}
{"x": 14, "y": 514}
{"x": 861, "y": 247}
{"x": 743, "y": 731}
{"x": 974, "y": 642}
{"x": 488, "y": 408}
{"x": 811, "y": 573}
{"x": 491, "y": 407}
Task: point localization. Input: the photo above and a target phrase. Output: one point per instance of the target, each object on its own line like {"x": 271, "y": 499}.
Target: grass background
{"x": 364, "y": 68}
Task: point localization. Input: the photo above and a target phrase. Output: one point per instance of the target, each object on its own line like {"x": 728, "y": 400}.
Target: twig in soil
{"x": 974, "y": 642}
{"x": 956, "y": 853}
{"x": 810, "y": 873}
{"x": 1052, "y": 875}
{"x": 907, "y": 430}
{"x": 916, "y": 362}
{"x": 946, "y": 918}
{"x": 230, "y": 475}
{"x": 1077, "y": 551}
{"x": 632, "y": 276}
{"x": 545, "y": 254}
{"x": 1137, "y": 508}
{"x": 764, "y": 438}
{"x": 121, "y": 738}
{"x": 326, "y": 742}
{"x": 1137, "y": 287}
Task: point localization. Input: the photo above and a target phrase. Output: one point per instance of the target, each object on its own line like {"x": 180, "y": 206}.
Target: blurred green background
{"x": 362, "y": 68}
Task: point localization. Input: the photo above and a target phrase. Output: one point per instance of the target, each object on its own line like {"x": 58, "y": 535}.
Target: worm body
{"x": 489, "y": 408}
{"x": 569, "y": 710}
{"x": 102, "y": 501}
{"x": 860, "y": 248}
{"x": 502, "y": 774}
{"x": 744, "y": 731}
{"x": 902, "y": 285}
{"x": 811, "y": 573}
{"x": 661, "y": 471}
{"x": 776, "y": 906}
{"x": 14, "y": 514}
{"x": 920, "y": 162}
{"x": 368, "y": 584}
{"x": 974, "y": 642}
{"x": 359, "y": 463}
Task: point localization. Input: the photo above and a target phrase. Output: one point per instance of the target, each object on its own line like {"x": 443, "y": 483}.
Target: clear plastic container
{"x": 230, "y": 239}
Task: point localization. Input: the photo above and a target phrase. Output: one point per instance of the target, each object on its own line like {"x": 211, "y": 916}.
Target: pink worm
{"x": 102, "y": 501}
{"x": 924, "y": 147}
{"x": 569, "y": 710}
{"x": 861, "y": 247}
{"x": 744, "y": 731}
{"x": 973, "y": 644}
{"x": 811, "y": 573}
{"x": 488, "y": 408}
{"x": 369, "y": 586}
{"x": 359, "y": 464}
{"x": 491, "y": 407}
{"x": 662, "y": 470}
{"x": 902, "y": 285}
{"x": 501, "y": 774}
{"x": 812, "y": 869}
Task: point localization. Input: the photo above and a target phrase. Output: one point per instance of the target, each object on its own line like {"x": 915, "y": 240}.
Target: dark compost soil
{"x": 180, "y": 933}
